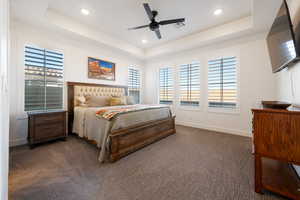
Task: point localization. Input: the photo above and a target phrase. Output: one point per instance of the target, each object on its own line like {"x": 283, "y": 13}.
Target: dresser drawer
{"x": 276, "y": 135}
{"x": 49, "y": 118}
{"x": 49, "y": 131}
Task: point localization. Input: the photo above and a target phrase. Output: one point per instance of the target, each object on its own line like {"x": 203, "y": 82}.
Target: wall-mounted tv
{"x": 282, "y": 40}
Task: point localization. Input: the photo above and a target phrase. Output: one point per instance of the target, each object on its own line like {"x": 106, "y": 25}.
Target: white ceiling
{"x": 109, "y": 19}
{"x": 115, "y": 16}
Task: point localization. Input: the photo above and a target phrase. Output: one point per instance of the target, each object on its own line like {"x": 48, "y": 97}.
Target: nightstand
{"x": 46, "y": 126}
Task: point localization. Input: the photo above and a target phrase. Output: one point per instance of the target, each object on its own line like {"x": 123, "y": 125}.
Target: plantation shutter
{"x": 222, "y": 83}
{"x": 166, "y": 86}
{"x": 189, "y": 82}
{"x": 134, "y": 84}
{"x": 43, "y": 79}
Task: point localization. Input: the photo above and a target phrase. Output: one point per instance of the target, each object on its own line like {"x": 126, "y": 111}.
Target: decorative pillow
{"x": 130, "y": 100}
{"x": 97, "y": 101}
{"x": 80, "y": 101}
{"x": 116, "y": 101}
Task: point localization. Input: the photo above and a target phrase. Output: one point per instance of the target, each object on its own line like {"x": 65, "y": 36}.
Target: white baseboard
{"x": 17, "y": 142}
{"x": 217, "y": 129}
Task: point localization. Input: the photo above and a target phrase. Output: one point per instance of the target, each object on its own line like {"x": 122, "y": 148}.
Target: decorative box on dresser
{"x": 46, "y": 126}
{"x": 276, "y": 134}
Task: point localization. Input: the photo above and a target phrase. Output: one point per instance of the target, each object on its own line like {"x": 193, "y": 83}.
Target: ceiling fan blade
{"x": 148, "y": 11}
{"x": 171, "y": 21}
{"x": 138, "y": 27}
{"x": 157, "y": 32}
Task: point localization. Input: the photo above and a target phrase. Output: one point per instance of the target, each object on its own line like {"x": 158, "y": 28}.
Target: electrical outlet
{"x": 22, "y": 117}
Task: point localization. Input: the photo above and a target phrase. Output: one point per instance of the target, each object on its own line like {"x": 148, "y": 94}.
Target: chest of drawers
{"x": 277, "y": 146}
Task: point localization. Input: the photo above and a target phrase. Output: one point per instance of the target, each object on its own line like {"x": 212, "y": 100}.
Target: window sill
{"x": 232, "y": 111}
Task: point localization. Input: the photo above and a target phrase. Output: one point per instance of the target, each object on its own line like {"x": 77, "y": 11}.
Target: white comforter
{"x": 87, "y": 125}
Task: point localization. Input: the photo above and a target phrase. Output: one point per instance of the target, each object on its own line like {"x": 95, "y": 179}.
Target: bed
{"x": 126, "y": 132}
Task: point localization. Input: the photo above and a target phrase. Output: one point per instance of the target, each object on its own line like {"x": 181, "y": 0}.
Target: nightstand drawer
{"x": 49, "y": 118}
{"x": 49, "y": 131}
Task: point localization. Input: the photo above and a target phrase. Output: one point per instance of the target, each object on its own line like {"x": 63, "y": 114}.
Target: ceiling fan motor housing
{"x": 154, "y": 25}
{"x": 154, "y": 13}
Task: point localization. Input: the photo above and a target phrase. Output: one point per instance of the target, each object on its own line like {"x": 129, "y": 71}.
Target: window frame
{"x": 174, "y": 84}
{"x": 51, "y": 49}
{"x": 177, "y": 89}
{"x": 236, "y": 109}
{"x": 140, "y": 86}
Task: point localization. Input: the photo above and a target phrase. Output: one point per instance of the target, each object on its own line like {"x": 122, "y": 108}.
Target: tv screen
{"x": 281, "y": 40}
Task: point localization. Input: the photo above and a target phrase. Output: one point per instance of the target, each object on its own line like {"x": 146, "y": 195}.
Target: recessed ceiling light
{"x": 85, "y": 11}
{"x": 144, "y": 41}
{"x": 218, "y": 12}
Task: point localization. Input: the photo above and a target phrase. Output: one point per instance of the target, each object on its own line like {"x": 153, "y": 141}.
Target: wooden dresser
{"x": 277, "y": 146}
{"x": 46, "y": 126}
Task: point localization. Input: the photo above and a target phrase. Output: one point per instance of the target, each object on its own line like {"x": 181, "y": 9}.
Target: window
{"x": 222, "y": 83}
{"x": 189, "y": 83}
{"x": 43, "y": 79}
{"x": 166, "y": 90}
{"x": 134, "y": 84}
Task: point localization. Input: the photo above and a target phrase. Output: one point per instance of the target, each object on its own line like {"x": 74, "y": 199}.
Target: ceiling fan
{"x": 154, "y": 25}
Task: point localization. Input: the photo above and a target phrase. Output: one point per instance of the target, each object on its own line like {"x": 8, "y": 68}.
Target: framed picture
{"x": 101, "y": 69}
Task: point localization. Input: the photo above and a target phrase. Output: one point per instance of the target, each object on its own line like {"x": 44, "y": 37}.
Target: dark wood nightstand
{"x": 46, "y": 126}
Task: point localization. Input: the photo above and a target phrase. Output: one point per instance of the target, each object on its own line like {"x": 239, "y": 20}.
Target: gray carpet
{"x": 193, "y": 164}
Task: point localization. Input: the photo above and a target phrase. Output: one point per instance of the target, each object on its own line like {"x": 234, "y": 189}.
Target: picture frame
{"x": 101, "y": 69}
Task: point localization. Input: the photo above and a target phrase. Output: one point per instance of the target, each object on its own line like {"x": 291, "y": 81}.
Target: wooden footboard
{"x": 130, "y": 139}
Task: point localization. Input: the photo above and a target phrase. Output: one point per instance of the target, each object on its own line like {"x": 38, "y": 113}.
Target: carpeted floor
{"x": 193, "y": 164}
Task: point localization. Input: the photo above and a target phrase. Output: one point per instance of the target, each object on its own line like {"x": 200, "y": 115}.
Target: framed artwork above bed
{"x": 101, "y": 69}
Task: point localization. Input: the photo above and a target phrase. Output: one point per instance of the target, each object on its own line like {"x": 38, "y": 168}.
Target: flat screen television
{"x": 282, "y": 41}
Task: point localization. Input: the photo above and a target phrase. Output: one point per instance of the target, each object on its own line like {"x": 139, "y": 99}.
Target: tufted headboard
{"x": 81, "y": 89}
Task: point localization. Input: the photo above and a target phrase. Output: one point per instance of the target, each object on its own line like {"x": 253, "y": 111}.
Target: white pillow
{"x": 81, "y": 101}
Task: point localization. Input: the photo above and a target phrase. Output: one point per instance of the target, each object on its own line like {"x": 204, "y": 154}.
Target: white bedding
{"x": 87, "y": 125}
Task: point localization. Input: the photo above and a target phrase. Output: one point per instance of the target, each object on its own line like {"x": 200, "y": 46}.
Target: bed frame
{"x": 127, "y": 140}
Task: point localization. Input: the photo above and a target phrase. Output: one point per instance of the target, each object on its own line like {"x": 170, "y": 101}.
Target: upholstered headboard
{"x": 83, "y": 90}
{"x": 76, "y": 89}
